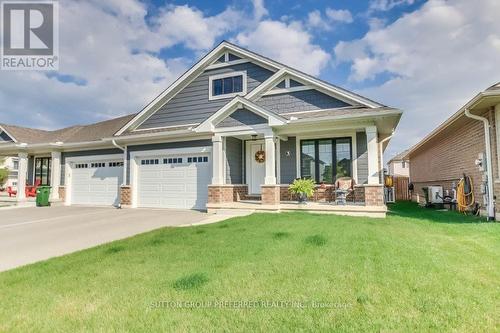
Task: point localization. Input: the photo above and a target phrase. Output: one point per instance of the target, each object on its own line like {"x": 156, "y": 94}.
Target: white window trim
{"x": 225, "y": 75}
{"x": 346, "y": 134}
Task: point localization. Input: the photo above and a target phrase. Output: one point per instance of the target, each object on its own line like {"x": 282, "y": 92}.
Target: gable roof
{"x": 237, "y": 103}
{"x": 86, "y": 133}
{"x": 281, "y": 71}
{"x": 485, "y": 99}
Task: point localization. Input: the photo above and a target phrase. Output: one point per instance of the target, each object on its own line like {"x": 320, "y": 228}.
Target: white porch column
{"x": 55, "y": 176}
{"x": 21, "y": 176}
{"x": 217, "y": 161}
{"x": 373, "y": 150}
{"x": 270, "y": 178}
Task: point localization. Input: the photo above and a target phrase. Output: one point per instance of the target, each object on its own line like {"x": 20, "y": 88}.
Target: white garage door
{"x": 96, "y": 182}
{"x": 174, "y": 181}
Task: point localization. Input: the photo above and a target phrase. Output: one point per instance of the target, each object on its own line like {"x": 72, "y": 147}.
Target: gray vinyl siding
{"x": 165, "y": 145}
{"x": 31, "y": 169}
{"x": 96, "y": 152}
{"x": 288, "y": 164}
{"x": 234, "y": 160}
{"x": 191, "y": 105}
{"x": 4, "y": 137}
{"x": 362, "y": 156}
{"x": 294, "y": 83}
{"x": 242, "y": 117}
{"x": 305, "y": 100}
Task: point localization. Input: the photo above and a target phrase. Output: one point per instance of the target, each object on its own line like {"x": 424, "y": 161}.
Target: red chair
{"x": 30, "y": 191}
{"x": 11, "y": 191}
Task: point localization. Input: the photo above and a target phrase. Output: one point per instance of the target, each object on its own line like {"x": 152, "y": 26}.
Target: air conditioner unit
{"x": 435, "y": 194}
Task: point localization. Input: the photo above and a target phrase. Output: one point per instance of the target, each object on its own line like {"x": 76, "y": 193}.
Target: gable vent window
{"x": 227, "y": 85}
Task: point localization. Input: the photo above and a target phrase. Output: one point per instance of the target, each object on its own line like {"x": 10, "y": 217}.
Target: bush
{"x": 305, "y": 186}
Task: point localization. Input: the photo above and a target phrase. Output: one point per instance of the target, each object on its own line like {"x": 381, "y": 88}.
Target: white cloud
{"x": 183, "y": 24}
{"x": 316, "y": 20}
{"x": 287, "y": 43}
{"x": 115, "y": 56}
{"x": 385, "y": 5}
{"x": 439, "y": 57}
{"x": 260, "y": 10}
{"x": 339, "y": 15}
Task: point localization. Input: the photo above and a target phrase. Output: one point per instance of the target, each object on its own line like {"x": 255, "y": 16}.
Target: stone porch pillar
{"x": 270, "y": 190}
{"x": 21, "y": 176}
{"x": 373, "y": 164}
{"x": 55, "y": 176}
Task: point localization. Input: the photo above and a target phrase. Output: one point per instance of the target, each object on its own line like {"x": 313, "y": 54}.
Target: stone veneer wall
{"x": 62, "y": 193}
{"x": 226, "y": 193}
{"x": 374, "y": 195}
{"x": 125, "y": 195}
{"x": 270, "y": 194}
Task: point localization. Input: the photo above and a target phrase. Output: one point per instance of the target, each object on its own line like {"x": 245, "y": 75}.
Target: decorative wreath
{"x": 260, "y": 156}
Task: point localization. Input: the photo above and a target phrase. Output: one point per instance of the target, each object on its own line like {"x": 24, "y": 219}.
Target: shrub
{"x": 305, "y": 186}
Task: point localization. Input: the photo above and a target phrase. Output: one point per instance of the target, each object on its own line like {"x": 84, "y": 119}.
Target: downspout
{"x": 124, "y": 149}
{"x": 489, "y": 166}
{"x": 381, "y": 152}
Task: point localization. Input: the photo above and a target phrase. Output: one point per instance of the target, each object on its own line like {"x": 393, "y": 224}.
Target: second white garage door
{"x": 174, "y": 181}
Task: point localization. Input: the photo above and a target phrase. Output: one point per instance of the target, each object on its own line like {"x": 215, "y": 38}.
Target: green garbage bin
{"x": 42, "y": 196}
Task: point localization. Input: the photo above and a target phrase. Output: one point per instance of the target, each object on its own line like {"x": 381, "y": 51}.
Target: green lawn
{"x": 417, "y": 270}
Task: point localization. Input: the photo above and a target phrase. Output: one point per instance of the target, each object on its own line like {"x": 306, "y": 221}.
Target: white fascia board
{"x": 470, "y": 105}
{"x": 236, "y": 103}
{"x": 190, "y": 75}
{"x": 341, "y": 94}
{"x": 184, "y": 79}
{"x": 6, "y": 132}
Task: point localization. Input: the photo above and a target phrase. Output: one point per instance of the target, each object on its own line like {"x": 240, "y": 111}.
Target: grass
{"x": 417, "y": 270}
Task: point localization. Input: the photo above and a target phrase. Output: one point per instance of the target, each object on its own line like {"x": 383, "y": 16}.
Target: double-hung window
{"x": 227, "y": 85}
{"x": 326, "y": 160}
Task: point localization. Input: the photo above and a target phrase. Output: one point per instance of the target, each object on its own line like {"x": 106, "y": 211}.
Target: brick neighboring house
{"x": 399, "y": 165}
{"x": 452, "y": 149}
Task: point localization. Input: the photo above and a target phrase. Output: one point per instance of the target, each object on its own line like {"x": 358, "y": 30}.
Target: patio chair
{"x": 30, "y": 191}
{"x": 11, "y": 192}
{"x": 343, "y": 187}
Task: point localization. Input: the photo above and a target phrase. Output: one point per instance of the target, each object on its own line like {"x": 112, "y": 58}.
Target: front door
{"x": 257, "y": 170}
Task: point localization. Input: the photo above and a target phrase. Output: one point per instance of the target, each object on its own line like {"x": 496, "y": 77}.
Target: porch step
{"x": 253, "y": 197}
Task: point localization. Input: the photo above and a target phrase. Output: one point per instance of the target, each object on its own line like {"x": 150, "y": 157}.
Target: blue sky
{"x": 425, "y": 57}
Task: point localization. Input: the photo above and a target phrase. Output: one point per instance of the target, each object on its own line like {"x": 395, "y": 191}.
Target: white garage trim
{"x": 68, "y": 170}
{"x": 134, "y": 165}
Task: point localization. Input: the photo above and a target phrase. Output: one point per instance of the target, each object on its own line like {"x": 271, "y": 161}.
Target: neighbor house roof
{"x": 400, "y": 157}
{"x": 85, "y": 133}
{"x": 484, "y": 99}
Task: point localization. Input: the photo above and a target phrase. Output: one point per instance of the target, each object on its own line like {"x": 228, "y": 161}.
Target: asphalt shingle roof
{"x": 92, "y": 132}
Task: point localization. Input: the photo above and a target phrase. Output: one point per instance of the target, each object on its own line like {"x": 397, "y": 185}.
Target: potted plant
{"x": 303, "y": 188}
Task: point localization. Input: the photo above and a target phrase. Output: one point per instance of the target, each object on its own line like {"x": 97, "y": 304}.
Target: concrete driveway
{"x": 28, "y": 235}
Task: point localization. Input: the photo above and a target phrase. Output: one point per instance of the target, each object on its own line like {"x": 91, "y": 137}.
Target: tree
{"x": 4, "y": 174}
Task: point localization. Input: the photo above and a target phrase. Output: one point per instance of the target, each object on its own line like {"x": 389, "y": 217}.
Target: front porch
{"x": 243, "y": 181}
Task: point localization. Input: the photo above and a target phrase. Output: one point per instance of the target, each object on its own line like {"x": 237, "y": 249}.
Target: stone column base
{"x": 226, "y": 193}
{"x": 125, "y": 195}
{"x": 62, "y": 193}
{"x": 374, "y": 195}
{"x": 270, "y": 194}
